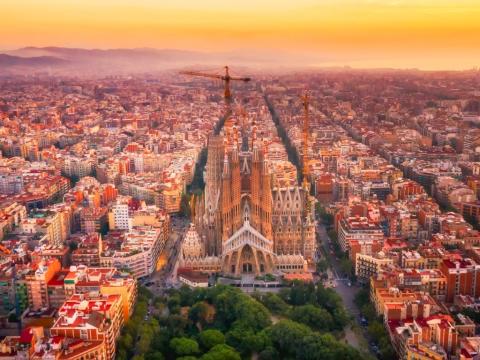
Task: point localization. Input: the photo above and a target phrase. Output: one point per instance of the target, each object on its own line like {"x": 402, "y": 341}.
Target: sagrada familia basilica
{"x": 243, "y": 224}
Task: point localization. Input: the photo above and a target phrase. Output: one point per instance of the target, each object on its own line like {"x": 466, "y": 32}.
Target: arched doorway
{"x": 247, "y": 260}
{"x": 247, "y": 268}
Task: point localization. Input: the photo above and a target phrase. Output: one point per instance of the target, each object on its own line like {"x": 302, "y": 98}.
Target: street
{"x": 346, "y": 292}
{"x": 164, "y": 277}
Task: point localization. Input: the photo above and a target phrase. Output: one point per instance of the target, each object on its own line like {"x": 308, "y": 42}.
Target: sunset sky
{"x": 429, "y": 34}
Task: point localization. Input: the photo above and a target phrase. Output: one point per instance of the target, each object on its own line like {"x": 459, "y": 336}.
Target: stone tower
{"x": 213, "y": 180}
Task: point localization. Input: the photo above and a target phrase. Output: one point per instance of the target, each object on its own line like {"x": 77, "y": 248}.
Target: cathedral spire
{"x": 226, "y": 165}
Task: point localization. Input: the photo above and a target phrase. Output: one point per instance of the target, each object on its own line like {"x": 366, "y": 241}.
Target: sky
{"x": 427, "y": 34}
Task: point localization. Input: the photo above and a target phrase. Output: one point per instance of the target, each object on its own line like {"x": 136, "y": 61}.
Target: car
{"x": 363, "y": 321}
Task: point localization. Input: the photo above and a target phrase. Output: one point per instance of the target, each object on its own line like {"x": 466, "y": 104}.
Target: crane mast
{"x": 306, "y": 129}
{"x": 305, "y": 169}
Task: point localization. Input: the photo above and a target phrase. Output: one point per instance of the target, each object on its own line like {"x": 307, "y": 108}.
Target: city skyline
{"x": 363, "y": 34}
{"x": 264, "y": 179}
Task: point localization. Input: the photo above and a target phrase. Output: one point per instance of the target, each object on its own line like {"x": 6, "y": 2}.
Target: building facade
{"x": 242, "y": 219}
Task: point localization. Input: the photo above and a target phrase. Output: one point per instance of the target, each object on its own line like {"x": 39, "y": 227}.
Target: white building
{"x": 119, "y": 216}
{"x": 139, "y": 252}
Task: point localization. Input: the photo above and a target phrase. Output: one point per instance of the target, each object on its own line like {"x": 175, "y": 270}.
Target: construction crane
{"x": 306, "y": 128}
{"x": 305, "y": 169}
{"x": 225, "y": 79}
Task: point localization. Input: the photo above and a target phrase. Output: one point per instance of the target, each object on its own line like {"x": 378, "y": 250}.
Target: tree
{"x": 368, "y": 311}
{"x": 122, "y": 354}
{"x": 386, "y": 350}
{"x": 209, "y": 338}
{"x": 322, "y": 266}
{"x": 310, "y": 315}
{"x": 317, "y": 346}
{"x": 161, "y": 340}
{"x": 269, "y": 353}
{"x": 155, "y": 356}
{"x": 173, "y": 303}
{"x": 362, "y": 297}
{"x": 125, "y": 341}
{"x": 221, "y": 352}
{"x": 376, "y": 330}
{"x": 328, "y": 299}
{"x": 274, "y": 303}
{"x": 347, "y": 267}
{"x": 341, "y": 318}
{"x": 176, "y": 324}
{"x": 245, "y": 340}
{"x": 287, "y": 335}
{"x": 184, "y": 346}
{"x": 201, "y": 313}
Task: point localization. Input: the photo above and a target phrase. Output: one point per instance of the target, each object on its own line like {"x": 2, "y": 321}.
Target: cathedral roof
{"x": 247, "y": 235}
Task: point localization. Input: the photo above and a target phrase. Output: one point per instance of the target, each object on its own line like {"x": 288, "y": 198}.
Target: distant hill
{"x": 36, "y": 61}
{"x": 110, "y": 61}
{"x": 107, "y": 61}
{"x": 77, "y": 54}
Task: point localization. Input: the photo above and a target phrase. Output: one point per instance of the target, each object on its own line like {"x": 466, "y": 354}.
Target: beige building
{"x": 367, "y": 266}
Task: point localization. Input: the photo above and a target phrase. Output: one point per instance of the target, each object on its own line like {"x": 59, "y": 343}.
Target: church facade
{"x": 243, "y": 224}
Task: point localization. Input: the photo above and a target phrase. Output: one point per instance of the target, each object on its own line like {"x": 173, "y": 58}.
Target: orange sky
{"x": 428, "y": 34}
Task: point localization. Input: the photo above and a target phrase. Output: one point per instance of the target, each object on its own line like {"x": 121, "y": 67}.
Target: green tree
{"x": 122, "y": 354}
{"x": 155, "y": 356}
{"x": 209, "y": 338}
{"x": 376, "y": 330}
{"x": 346, "y": 265}
{"x": 199, "y": 313}
{"x": 176, "y": 324}
{"x": 287, "y": 335}
{"x": 245, "y": 340}
{"x": 315, "y": 317}
{"x": 274, "y": 303}
{"x": 341, "y": 318}
{"x": 322, "y": 266}
{"x": 125, "y": 341}
{"x": 269, "y": 353}
{"x": 386, "y": 350}
{"x": 328, "y": 298}
{"x": 362, "y": 297}
{"x": 317, "y": 346}
{"x": 184, "y": 346}
{"x": 368, "y": 311}
{"x": 221, "y": 352}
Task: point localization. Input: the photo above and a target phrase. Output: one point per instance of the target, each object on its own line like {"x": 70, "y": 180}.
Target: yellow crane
{"x": 306, "y": 129}
{"x": 226, "y": 78}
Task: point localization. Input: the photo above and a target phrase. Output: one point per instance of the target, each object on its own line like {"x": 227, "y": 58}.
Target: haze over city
{"x": 423, "y": 34}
